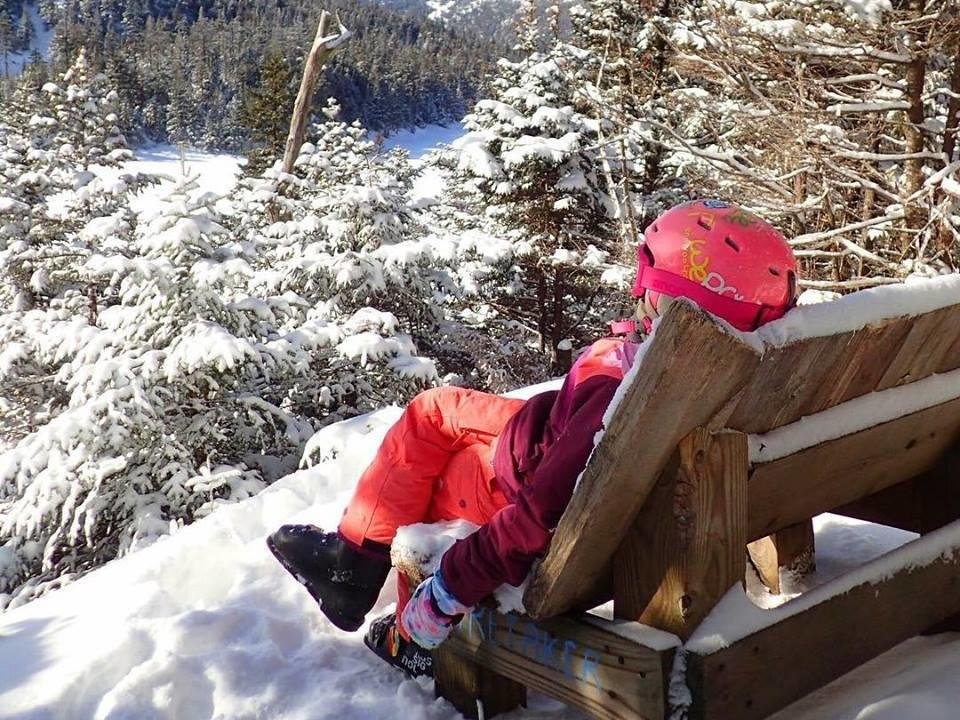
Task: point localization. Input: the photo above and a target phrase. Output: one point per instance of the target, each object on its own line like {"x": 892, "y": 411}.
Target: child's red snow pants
{"x": 435, "y": 463}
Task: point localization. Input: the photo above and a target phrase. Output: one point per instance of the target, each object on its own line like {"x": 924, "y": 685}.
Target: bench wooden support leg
{"x": 476, "y": 691}
{"x": 790, "y": 549}
{"x": 686, "y": 547}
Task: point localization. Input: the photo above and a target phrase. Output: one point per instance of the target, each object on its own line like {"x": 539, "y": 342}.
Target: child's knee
{"x": 436, "y": 400}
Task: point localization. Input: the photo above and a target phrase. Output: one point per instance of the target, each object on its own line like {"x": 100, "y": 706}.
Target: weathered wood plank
{"x": 924, "y": 349}
{"x": 951, "y": 358}
{"x": 920, "y": 505}
{"x": 763, "y": 557}
{"x": 691, "y": 369}
{"x": 800, "y": 486}
{"x": 775, "y": 395}
{"x": 686, "y": 547}
{"x": 476, "y": 691}
{"x": 812, "y": 375}
{"x": 779, "y": 664}
{"x": 791, "y": 549}
{"x": 580, "y": 663}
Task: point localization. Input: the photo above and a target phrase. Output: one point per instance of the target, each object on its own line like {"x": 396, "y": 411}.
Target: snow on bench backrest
{"x": 694, "y": 373}
{"x": 822, "y": 355}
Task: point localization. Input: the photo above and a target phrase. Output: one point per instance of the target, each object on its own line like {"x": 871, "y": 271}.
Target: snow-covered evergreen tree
{"x": 76, "y": 117}
{"x": 533, "y": 158}
{"x": 336, "y": 245}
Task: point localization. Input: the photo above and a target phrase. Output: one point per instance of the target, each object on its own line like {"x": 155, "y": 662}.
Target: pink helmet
{"x": 727, "y": 260}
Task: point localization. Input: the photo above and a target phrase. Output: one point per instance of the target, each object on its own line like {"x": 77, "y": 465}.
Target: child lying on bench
{"x": 511, "y": 465}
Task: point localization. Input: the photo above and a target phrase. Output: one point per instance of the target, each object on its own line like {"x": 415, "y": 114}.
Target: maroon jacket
{"x": 540, "y": 454}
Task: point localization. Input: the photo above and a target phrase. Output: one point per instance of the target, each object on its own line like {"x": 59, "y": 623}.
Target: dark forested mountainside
{"x": 192, "y": 70}
{"x": 16, "y": 30}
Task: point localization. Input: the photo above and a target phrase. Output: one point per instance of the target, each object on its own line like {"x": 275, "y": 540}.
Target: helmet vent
{"x": 774, "y": 272}
{"x": 729, "y": 241}
{"x": 702, "y": 222}
{"x": 654, "y": 228}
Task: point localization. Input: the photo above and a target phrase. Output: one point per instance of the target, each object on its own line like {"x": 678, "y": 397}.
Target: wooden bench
{"x": 720, "y": 442}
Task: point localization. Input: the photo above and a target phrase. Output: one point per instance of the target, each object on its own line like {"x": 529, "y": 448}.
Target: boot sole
{"x": 346, "y": 623}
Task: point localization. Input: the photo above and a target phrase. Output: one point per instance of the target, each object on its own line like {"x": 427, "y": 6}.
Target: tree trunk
{"x": 944, "y": 233}
{"x": 323, "y": 47}
{"x": 913, "y": 128}
{"x": 556, "y": 329}
{"x": 953, "y": 111}
{"x": 654, "y": 157}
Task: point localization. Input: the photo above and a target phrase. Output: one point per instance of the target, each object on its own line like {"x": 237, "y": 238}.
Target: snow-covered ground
{"x": 218, "y": 172}
{"x": 205, "y": 623}
{"x": 215, "y": 172}
{"x": 422, "y": 140}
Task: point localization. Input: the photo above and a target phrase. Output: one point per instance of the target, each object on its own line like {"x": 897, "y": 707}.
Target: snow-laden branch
{"x": 833, "y": 52}
{"x": 868, "y": 107}
{"x": 887, "y": 157}
{"x": 866, "y": 77}
{"x": 723, "y": 160}
{"x": 862, "y": 252}
{"x": 857, "y": 283}
{"x": 864, "y": 182}
{"x": 813, "y": 238}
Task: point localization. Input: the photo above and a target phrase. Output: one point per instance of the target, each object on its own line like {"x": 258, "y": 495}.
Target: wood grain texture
{"x": 690, "y": 371}
{"x": 812, "y": 375}
{"x": 920, "y": 505}
{"x": 924, "y": 349}
{"x": 795, "y": 488}
{"x": 470, "y": 687}
{"x": 771, "y": 668}
{"x": 686, "y": 547}
{"x": 791, "y": 550}
{"x": 763, "y": 557}
{"x": 579, "y": 663}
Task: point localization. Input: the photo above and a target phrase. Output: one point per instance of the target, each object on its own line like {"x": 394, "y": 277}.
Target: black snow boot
{"x": 385, "y": 640}
{"x": 343, "y": 578}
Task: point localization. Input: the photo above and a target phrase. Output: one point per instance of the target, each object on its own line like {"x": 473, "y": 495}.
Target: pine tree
{"x": 7, "y": 37}
{"x": 532, "y": 156}
{"x": 25, "y": 30}
{"x": 528, "y": 30}
{"x": 267, "y": 110}
{"x": 78, "y": 117}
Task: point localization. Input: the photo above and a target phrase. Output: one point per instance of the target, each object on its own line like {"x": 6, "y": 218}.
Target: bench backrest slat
{"x": 812, "y": 375}
{"x": 691, "y": 369}
{"x": 695, "y": 374}
{"x": 787, "y": 491}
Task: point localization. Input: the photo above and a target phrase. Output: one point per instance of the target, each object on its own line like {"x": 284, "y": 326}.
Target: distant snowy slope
{"x": 215, "y": 172}
{"x": 42, "y": 36}
{"x": 421, "y": 141}
{"x": 218, "y": 172}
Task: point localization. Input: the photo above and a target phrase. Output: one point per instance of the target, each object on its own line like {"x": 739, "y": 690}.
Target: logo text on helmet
{"x": 716, "y": 282}
{"x": 742, "y": 218}
{"x": 695, "y": 263}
